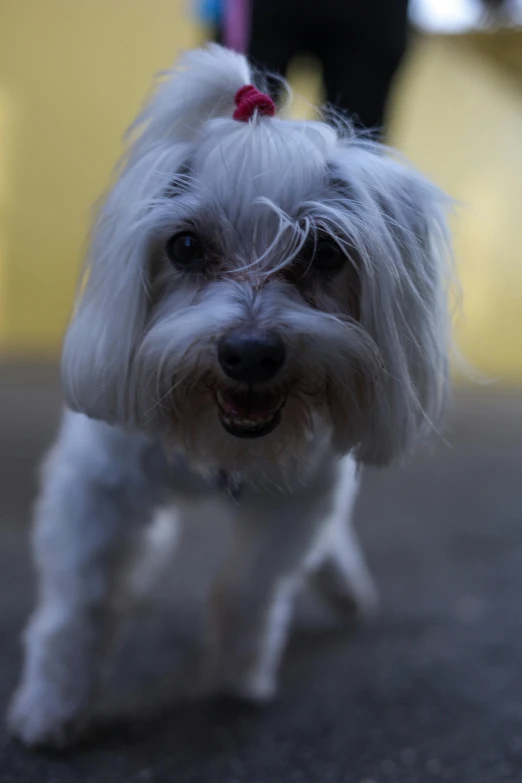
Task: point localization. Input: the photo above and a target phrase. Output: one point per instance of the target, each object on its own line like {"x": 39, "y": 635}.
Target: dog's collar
{"x": 232, "y": 486}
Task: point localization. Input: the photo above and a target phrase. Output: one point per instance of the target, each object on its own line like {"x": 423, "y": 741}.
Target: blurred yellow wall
{"x": 72, "y": 76}
{"x": 458, "y": 117}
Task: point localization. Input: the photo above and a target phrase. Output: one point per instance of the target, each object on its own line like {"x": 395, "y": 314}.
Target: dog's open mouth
{"x": 249, "y": 414}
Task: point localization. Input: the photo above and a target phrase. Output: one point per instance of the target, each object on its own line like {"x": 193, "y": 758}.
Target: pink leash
{"x": 236, "y": 25}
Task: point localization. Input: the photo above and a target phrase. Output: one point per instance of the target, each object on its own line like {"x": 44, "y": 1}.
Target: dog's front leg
{"x": 94, "y": 497}
{"x": 252, "y": 599}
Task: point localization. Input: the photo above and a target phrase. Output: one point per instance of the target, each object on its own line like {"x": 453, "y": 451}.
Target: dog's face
{"x": 257, "y": 288}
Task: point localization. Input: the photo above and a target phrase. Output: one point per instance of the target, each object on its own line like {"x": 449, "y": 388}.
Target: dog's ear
{"x": 399, "y": 227}
{"x": 112, "y": 307}
{"x": 113, "y": 301}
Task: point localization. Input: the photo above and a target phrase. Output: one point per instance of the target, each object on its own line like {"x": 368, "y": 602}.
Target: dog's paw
{"x": 359, "y": 603}
{"x": 250, "y": 687}
{"x": 41, "y": 720}
{"x": 352, "y": 596}
{"x": 224, "y": 677}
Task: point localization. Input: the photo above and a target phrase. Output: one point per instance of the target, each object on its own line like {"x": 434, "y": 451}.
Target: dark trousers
{"x": 360, "y": 44}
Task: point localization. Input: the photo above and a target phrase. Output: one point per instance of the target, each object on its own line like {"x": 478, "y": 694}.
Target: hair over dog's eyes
{"x": 185, "y": 250}
{"x": 328, "y": 256}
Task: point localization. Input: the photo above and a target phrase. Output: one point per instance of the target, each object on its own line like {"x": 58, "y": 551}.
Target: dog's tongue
{"x": 248, "y": 405}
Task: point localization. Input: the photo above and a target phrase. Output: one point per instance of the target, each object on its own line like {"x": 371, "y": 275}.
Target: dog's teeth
{"x": 250, "y": 424}
{"x": 242, "y": 424}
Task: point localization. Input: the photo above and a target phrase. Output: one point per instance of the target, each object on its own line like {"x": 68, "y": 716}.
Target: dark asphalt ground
{"x": 431, "y": 692}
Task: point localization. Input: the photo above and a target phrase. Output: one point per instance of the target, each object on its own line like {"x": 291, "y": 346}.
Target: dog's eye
{"x": 185, "y": 250}
{"x": 328, "y": 256}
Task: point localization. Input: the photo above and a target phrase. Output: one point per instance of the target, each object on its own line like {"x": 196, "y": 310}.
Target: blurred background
{"x": 435, "y": 690}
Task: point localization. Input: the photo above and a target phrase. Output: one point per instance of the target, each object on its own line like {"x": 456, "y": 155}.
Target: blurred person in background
{"x": 360, "y": 44}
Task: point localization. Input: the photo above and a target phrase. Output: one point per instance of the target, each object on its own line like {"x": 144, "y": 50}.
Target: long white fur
{"x": 363, "y": 382}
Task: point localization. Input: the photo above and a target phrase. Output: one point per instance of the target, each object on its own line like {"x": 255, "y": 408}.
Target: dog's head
{"x": 255, "y": 285}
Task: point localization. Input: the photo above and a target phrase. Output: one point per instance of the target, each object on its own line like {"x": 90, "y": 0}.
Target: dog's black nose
{"x": 251, "y": 357}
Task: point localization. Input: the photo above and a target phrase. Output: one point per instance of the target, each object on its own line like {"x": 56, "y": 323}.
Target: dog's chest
{"x": 177, "y": 477}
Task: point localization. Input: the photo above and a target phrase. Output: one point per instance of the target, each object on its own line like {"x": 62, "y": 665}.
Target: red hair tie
{"x": 248, "y": 100}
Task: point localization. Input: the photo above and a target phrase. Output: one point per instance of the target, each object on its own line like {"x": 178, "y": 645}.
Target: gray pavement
{"x": 431, "y": 692}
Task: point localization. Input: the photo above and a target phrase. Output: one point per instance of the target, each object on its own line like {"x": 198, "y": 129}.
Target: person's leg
{"x": 360, "y": 59}
{"x": 274, "y": 41}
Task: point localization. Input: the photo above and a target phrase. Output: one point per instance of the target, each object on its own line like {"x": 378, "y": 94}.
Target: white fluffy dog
{"x": 263, "y": 311}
